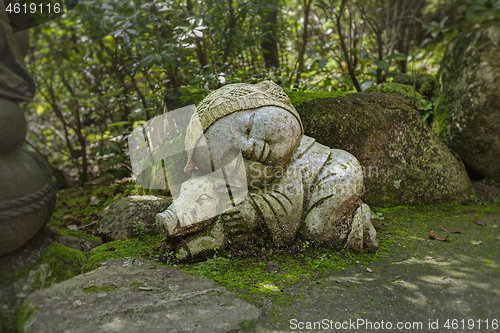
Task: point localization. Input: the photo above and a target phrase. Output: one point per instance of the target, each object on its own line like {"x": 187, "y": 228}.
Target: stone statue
{"x": 27, "y": 188}
{"x": 295, "y": 187}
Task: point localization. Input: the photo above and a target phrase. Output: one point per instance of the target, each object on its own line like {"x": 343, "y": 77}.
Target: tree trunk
{"x": 269, "y": 44}
{"x": 302, "y": 51}
{"x": 201, "y": 53}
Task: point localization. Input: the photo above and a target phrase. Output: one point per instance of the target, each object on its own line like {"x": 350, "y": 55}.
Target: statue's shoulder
{"x": 307, "y": 148}
{"x": 310, "y": 150}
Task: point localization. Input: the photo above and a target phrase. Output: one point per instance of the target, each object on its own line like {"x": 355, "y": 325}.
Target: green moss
{"x": 428, "y": 88}
{"x": 23, "y": 316}
{"x": 59, "y": 263}
{"x": 402, "y": 90}
{"x": 440, "y": 119}
{"x": 77, "y": 234}
{"x": 189, "y": 95}
{"x": 146, "y": 247}
{"x": 94, "y": 289}
{"x": 403, "y": 232}
{"x": 424, "y": 84}
{"x": 253, "y": 276}
{"x": 11, "y": 272}
{"x": 297, "y": 97}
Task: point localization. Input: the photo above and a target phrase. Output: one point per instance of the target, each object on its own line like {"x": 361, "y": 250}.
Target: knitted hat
{"x": 232, "y": 98}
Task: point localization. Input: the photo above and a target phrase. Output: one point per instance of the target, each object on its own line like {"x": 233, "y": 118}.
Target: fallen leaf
{"x": 450, "y": 231}
{"x": 110, "y": 248}
{"x": 280, "y": 273}
{"x": 72, "y": 227}
{"x": 429, "y": 258}
{"x": 432, "y": 235}
{"x": 369, "y": 270}
{"x": 476, "y": 242}
{"x": 480, "y": 222}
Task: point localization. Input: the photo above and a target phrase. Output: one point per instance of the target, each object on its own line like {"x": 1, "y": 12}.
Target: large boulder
{"x": 131, "y": 217}
{"x": 467, "y": 112}
{"x": 137, "y": 295}
{"x": 403, "y": 160}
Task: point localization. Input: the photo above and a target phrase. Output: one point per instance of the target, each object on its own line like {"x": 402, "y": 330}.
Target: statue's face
{"x": 266, "y": 136}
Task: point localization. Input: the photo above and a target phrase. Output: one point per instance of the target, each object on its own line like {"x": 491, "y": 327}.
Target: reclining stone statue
{"x": 295, "y": 187}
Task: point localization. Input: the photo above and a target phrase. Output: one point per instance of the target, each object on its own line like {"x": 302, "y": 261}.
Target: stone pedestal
{"x": 27, "y": 187}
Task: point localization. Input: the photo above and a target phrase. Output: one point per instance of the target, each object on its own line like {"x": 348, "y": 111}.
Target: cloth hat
{"x": 232, "y": 98}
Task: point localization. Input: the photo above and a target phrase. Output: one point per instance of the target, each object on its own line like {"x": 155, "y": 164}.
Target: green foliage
{"x": 17, "y": 320}
{"x": 73, "y": 205}
{"x": 102, "y": 70}
{"x": 377, "y": 215}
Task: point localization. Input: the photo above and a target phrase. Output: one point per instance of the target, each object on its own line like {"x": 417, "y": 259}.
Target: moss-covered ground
{"x": 272, "y": 281}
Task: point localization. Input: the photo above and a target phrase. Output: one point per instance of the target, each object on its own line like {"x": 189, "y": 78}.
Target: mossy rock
{"x": 404, "y": 162}
{"x": 137, "y": 295}
{"x": 467, "y": 112}
{"x": 131, "y": 217}
{"x": 424, "y": 84}
{"x": 179, "y": 97}
{"x": 77, "y": 240}
{"x": 58, "y": 263}
{"x": 402, "y": 90}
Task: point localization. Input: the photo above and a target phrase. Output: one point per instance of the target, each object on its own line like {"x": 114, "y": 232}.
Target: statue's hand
{"x": 240, "y": 219}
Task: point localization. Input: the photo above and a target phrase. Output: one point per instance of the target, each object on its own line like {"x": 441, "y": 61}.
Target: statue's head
{"x": 257, "y": 120}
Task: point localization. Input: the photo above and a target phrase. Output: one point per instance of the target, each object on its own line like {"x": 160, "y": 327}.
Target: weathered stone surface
{"x": 27, "y": 198}
{"x": 280, "y": 180}
{"x": 131, "y": 217}
{"x": 13, "y": 126}
{"x": 27, "y": 190}
{"x": 467, "y": 112}
{"x": 137, "y": 295}
{"x": 404, "y": 162}
{"x": 79, "y": 243}
{"x": 38, "y": 265}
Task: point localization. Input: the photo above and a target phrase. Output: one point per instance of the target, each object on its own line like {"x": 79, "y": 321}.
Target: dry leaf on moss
{"x": 432, "y": 235}
{"x": 480, "y": 222}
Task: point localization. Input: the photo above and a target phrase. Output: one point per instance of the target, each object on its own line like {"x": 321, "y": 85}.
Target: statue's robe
{"x": 318, "y": 195}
